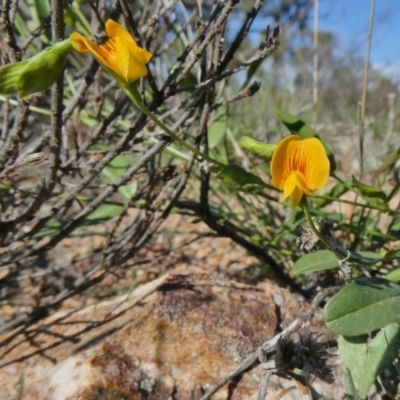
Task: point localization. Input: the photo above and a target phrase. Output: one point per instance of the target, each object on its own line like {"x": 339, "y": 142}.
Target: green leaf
{"x": 318, "y": 261}
{"x": 369, "y": 190}
{"x": 349, "y": 385}
{"x": 8, "y": 77}
{"x": 392, "y": 254}
{"x": 366, "y": 257}
{"x": 103, "y": 213}
{"x": 251, "y": 70}
{"x": 50, "y": 230}
{"x": 365, "y": 305}
{"x": 374, "y": 196}
{"x": 299, "y": 127}
{"x": 258, "y": 149}
{"x": 189, "y": 80}
{"x": 394, "y": 275}
{"x": 390, "y": 160}
{"x": 394, "y": 229}
{"x": 115, "y": 169}
{"x": 235, "y": 177}
{"x": 217, "y": 130}
{"x": 42, "y": 10}
{"x": 366, "y": 360}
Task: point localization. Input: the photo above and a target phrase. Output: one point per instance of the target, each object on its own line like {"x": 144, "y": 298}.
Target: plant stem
{"x": 306, "y": 208}
{"x": 133, "y": 95}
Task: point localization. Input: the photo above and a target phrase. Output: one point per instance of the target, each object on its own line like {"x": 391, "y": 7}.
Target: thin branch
{"x": 268, "y": 345}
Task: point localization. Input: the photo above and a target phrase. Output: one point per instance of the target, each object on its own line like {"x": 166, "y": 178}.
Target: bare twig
{"x": 293, "y": 327}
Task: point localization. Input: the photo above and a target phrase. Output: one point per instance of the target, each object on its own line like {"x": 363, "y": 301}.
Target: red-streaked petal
{"x": 280, "y": 163}
{"x": 79, "y": 42}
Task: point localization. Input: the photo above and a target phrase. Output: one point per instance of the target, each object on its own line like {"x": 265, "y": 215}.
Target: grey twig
{"x": 268, "y": 345}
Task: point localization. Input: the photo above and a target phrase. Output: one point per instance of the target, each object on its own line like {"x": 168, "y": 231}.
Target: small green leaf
{"x": 369, "y": 190}
{"x": 235, "y": 177}
{"x": 349, "y": 386}
{"x": 366, "y": 360}
{"x": 392, "y": 254}
{"x": 189, "y": 80}
{"x": 258, "y": 149}
{"x": 365, "y": 305}
{"x": 251, "y": 70}
{"x": 299, "y": 127}
{"x": 50, "y": 230}
{"x": 217, "y": 130}
{"x": 103, "y": 213}
{"x": 318, "y": 261}
{"x": 115, "y": 169}
{"x": 390, "y": 160}
{"x": 394, "y": 275}
{"x": 365, "y": 257}
{"x": 394, "y": 229}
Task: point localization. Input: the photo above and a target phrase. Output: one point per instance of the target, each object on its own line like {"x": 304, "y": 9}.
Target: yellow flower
{"x": 299, "y": 166}
{"x": 119, "y": 54}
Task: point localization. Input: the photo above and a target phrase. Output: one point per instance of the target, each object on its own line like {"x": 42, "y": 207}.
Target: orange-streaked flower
{"x": 298, "y": 167}
{"x": 119, "y": 54}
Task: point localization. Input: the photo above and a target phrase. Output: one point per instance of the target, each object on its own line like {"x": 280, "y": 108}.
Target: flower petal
{"x": 298, "y": 167}
{"x": 125, "y": 63}
{"x": 289, "y": 187}
{"x": 79, "y": 42}
{"x": 120, "y": 54}
{"x": 281, "y": 161}
{"x": 317, "y": 163}
{"x": 294, "y": 188}
{"x": 296, "y": 197}
{"x": 113, "y": 29}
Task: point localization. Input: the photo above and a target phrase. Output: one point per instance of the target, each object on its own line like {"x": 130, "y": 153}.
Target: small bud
{"x": 258, "y": 149}
{"x": 43, "y": 69}
{"x": 35, "y": 74}
{"x": 8, "y": 77}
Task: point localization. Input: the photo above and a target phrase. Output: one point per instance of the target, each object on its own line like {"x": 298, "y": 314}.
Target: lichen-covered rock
{"x": 169, "y": 339}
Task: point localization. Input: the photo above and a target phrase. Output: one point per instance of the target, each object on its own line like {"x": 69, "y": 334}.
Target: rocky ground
{"x": 167, "y": 326}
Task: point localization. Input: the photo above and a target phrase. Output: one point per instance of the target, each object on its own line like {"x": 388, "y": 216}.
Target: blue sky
{"x": 349, "y": 20}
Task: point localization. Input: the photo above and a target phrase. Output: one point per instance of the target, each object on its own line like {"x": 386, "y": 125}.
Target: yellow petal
{"x": 299, "y": 167}
{"x": 113, "y": 29}
{"x": 296, "y": 197}
{"x": 119, "y": 54}
{"x": 78, "y": 42}
{"x": 126, "y": 63}
{"x": 295, "y": 180}
{"x": 307, "y": 157}
{"x": 280, "y": 169}
{"x": 317, "y": 163}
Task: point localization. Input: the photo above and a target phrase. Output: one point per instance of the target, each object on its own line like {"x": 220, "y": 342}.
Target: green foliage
{"x": 36, "y": 74}
{"x": 312, "y": 262}
{"x": 115, "y": 169}
{"x": 235, "y": 177}
{"x": 216, "y": 132}
{"x": 366, "y": 360}
{"x": 394, "y": 275}
{"x": 258, "y": 149}
{"x": 365, "y": 305}
{"x": 356, "y": 205}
